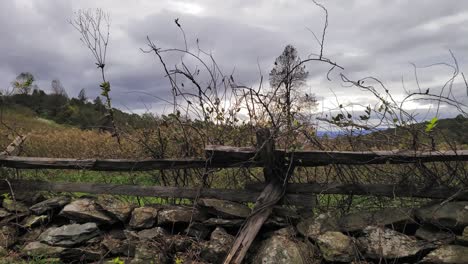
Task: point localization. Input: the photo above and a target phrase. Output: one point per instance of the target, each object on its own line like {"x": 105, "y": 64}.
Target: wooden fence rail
{"x": 381, "y": 190}
{"x": 228, "y": 157}
{"x": 311, "y": 158}
{"x": 148, "y": 191}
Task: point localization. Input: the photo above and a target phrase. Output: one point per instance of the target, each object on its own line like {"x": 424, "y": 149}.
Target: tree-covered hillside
{"x": 61, "y": 109}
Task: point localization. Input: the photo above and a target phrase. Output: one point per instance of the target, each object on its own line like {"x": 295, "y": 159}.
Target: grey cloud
{"x": 377, "y": 38}
{"x": 234, "y": 45}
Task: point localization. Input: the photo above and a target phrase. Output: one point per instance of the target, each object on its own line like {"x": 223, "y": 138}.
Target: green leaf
{"x": 105, "y": 89}
{"x": 432, "y": 124}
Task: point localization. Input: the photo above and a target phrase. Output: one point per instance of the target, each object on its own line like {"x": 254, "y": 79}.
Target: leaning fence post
{"x": 276, "y": 177}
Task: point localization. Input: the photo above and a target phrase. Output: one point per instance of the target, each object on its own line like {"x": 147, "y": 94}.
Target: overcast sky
{"x": 367, "y": 37}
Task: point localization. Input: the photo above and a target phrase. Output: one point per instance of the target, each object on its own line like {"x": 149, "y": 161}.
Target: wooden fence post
{"x": 276, "y": 174}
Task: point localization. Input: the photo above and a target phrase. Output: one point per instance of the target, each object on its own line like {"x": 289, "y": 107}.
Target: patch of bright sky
{"x": 442, "y": 22}
{"x": 186, "y": 7}
{"x": 354, "y": 53}
{"x": 25, "y": 4}
{"x": 121, "y": 13}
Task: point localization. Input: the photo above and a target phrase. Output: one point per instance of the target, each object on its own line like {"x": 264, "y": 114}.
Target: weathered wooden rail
{"x": 222, "y": 155}
{"x": 278, "y": 166}
{"x": 147, "y": 191}
{"x": 230, "y": 157}
{"x": 381, "y": 190}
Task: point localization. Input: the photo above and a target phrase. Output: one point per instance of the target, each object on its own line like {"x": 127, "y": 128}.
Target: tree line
{"x": 56, "y": 105}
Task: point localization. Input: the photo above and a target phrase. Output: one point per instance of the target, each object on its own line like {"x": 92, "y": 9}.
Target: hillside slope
{"x": 49, "y": 139}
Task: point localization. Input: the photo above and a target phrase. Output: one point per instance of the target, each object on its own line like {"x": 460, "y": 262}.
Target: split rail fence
{"x": 278, "y": 166}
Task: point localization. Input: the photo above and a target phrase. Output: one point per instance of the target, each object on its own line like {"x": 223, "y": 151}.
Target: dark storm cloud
{"x": 378, "y": 38}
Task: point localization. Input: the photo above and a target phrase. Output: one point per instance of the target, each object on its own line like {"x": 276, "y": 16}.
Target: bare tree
{"x": 94, "y": 29}
{"x": 57, "y": 88}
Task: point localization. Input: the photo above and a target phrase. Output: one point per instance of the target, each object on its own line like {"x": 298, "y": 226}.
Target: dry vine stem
{"x": 95, "y": 31}
{"x": 203, "y": 92}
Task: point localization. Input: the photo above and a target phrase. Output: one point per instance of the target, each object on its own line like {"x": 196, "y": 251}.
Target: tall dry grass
{"x": 48, "y": 139}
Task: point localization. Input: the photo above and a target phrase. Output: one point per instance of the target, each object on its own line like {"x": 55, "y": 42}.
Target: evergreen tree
{"x": 286, "y": 79}
{"x": 82, "y": 96}
{"x": 99, "y": 105}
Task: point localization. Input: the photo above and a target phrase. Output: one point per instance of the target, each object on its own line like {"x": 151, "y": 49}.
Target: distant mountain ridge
{"x": 451, "y": 128}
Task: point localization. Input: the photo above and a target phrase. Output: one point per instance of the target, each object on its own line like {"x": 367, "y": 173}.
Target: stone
{"x": 4, "y": 213}
{"x": 450, "y": 215}
{"x": 275, "y": 222}
{"x": 15, "y": 206}
{"x": 35, "y": 220}
{"x": 149, "y": 253}
{"x": 117, "y": 247}
{"x": 117, "y": 209}
{"x": 8, "y": 236}
{"x": 13, "y": 218}
{"x": 285, "y": 212}
{"x": 179, "y": 243}
{"x": 117, "y": 233}
{"x": 283, "y": 249}
{"x": 289, "y": 231}
{"x": 463, "y": 239}
{"x": 434, "y": 235}
{"x": 177, "y": 215}
{"x": 453, "y": 254}
{"x": 143, "y": 217}
{"x": 197, "y": 230}
{"x": 215, "y": 250}
{"x": 53, "y": 205}
{"x": 29, "y": 198}
{"x": 131, "y": 235}
{"x": 30, "y": 236}
{"x": 387, "y": 216}
{"x": 224, "y": 209}
{"x": 378, "y": 243}
{"x": 152, "y": 233}
{"x": 38, "y": 249}
{"x": 69, "y": 235}
{"x": 86, "y": 210}
{"x": 94, "y": 241}
{"x": 223, "y": 222}
{"x": 220, "y": 236}
{"x": 312, "y": 227}
{"x": 84, "y": 255}
{"x": 335, "y": 246}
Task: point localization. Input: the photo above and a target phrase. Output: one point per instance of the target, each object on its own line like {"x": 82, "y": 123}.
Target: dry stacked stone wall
{"x": 106, "y": 230}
